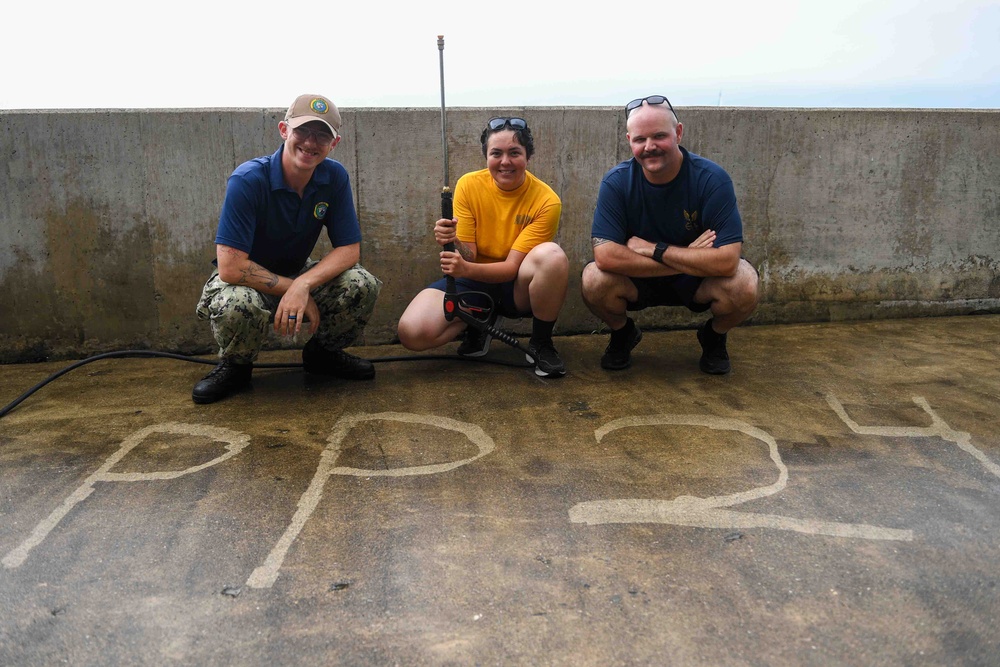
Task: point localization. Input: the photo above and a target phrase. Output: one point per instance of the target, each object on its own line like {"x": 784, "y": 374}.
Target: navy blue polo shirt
{"x": 265, "y": 218}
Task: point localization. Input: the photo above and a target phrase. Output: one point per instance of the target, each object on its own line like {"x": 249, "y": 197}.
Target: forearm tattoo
{"x": 255, "y": 273}
{"x": 464, "y": 251}
{"x": 596, "y": 241}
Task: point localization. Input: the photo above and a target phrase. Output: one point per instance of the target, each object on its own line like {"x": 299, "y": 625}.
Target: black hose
{"x": 169, "y": 355}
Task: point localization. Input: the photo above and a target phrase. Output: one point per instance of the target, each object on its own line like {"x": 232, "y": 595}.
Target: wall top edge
{"x": 499, "y": 107}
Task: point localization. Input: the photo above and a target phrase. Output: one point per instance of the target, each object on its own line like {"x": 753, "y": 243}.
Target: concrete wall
{"x": 107, "y": 218}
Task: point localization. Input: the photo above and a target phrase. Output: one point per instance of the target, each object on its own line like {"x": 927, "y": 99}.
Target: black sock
{"x": 624, "y": 335}
{"x": 710, "y": 330}
{"x": 541, "y": 331}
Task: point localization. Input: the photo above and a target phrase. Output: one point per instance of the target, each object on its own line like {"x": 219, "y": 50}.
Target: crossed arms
{"x": 635, "y": 259}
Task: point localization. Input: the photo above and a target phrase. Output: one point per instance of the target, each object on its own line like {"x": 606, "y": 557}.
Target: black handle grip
{"x": 450, "y": 300}
{"x": 447, "y": 210}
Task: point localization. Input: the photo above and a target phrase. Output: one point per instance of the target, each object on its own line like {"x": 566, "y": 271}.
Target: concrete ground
{"x": 835, "y": 500}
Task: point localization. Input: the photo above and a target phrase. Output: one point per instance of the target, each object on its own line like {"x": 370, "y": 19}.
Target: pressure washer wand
{"x": 444, "y": 118}
{"x": 447, "y": 210}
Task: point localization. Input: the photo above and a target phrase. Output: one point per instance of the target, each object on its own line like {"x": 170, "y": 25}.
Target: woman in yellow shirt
{"x": 503, "y": 230}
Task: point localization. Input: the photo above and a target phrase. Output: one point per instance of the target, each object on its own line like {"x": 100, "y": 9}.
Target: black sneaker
{"x": 618, "y": 358}
{"x": 337, "y": 363}
{"x": 477, "y": 343}
{"x": 714, "y": 358}
{"x": 546, "y": 360}
{"x": 225, "y": 379}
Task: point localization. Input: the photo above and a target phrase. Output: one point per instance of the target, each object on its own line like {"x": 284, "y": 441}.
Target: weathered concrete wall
{"x": 107, "y": 217}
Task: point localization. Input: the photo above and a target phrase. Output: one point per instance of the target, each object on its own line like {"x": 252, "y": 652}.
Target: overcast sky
{"x": 371, "y": 53}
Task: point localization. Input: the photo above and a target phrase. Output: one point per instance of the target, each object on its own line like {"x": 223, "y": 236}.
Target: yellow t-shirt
{"x": 498, "y": 221}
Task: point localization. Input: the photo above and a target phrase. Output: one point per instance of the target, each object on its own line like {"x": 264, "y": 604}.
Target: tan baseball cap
{"x": 307, "y": 108}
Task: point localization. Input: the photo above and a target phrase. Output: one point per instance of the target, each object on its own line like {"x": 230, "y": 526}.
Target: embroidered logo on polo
{"x": 319, "y": 106}
{"x": 319, "y": 211}
{"x": 691, "y": 221}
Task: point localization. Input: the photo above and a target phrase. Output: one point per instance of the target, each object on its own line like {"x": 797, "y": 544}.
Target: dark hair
{"x": 523, "y": 136}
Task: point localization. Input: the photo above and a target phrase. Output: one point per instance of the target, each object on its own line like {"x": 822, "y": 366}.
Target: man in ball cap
{"x": 274, "y": 210}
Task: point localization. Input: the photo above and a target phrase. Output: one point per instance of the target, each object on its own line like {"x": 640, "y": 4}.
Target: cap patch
{"x": 319, "y": 106}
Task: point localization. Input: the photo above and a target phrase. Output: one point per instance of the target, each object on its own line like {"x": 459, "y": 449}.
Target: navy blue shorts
{"x": 502, "y": 295}
{"x": 668, "y": 291}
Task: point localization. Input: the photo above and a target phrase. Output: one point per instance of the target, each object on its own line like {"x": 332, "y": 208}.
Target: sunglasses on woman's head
{"x": 499, "y": 123}
{"x": 651, "y": 100}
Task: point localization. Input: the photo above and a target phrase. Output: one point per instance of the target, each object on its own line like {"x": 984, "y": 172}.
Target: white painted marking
{"x": 265, "y": 575}
{"x": 937, "y": 428}
{"x": 704, "y": 512}
{"x": 719, "y": 424}
{"x": 658, "y": 511}
{"x": 235, "y": 443}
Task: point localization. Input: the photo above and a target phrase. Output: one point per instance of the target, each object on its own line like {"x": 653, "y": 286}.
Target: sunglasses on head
{"x": 651, "y": 100}
{"x": 499, "y": 123}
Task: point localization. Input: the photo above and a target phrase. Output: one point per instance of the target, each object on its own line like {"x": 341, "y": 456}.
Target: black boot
{"x": 337, "y": 363}
{"x": 225, "y": 379}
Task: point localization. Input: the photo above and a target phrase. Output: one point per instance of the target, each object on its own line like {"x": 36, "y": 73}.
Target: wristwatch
{"x": 659, "y": 250}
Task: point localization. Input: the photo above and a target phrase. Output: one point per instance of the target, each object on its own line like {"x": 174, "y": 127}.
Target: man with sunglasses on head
{"x": 667, "y": 232}
{"x": 274, "y": 211}
{"x": 504, "y": 256}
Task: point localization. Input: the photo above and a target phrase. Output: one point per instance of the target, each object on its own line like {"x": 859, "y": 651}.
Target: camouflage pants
{"x": 241, "y": 316}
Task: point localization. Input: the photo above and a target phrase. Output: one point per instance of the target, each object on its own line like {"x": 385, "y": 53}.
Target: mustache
{"x": 653, "y": 153}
